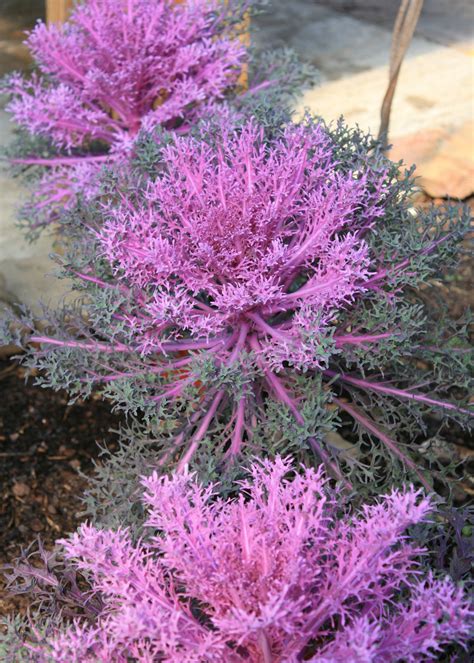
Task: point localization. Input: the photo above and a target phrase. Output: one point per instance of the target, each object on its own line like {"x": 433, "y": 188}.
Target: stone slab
{"x": 444, "y": 160}
{"x": 448, "y": 22}
{"x": 349, "y": 41}
{"x": 450, "y": 172}
{"x": 435, "y": 90}
{"x": 26, "y": 270}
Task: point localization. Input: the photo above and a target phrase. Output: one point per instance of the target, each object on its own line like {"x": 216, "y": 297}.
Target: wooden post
{"x": 245, "y": 39}
{"x": 57, "y": 11}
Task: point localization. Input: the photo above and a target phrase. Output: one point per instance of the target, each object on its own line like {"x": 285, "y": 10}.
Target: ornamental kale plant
{"x": 257, "y": 291}
{"x": 284, "y": 572}
{"x": 116, "y": 67}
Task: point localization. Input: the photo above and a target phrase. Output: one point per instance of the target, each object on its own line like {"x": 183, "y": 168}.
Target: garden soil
{"x": 45, "y": 446}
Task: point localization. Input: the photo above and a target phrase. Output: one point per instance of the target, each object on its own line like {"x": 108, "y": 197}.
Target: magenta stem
{"x": 382, "y": 274}
{"x": 236, "y": 443}
{"x": 370, "y": 426}
{"x": 349, "y": 339}
{"x": 283, "y": 396}
{"x": 82, "y": 345}
{"x": 201, "y": 431}
{"x": 265, "y": 327}
{"x": 204, "y": 426}
{"x": 393, "y": 391}
{"x": 172, "y": 366}
{"x": 175, "y": 390}
{"x": 62, "y": 161}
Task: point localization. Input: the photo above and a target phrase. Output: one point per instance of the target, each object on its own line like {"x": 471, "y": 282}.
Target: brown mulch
{"x": 44, "y": 445}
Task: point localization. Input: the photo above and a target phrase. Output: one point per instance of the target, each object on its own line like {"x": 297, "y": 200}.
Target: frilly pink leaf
{"x": 283, "y": 573}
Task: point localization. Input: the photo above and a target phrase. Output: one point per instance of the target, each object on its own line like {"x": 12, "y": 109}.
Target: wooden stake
{"x": 57, "y": 11}
{"x": 403, "y": 31}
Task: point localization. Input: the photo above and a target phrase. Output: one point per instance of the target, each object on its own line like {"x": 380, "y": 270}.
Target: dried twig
{"x": 405, "y": 24}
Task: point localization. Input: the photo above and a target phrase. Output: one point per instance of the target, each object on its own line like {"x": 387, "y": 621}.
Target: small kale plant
{"x": 116, "y": 68}
{"x": 257, "y": 290}
{"x": 286, "y": 571}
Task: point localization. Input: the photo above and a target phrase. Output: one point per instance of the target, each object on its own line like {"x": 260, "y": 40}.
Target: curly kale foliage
{"x": 261, "y": 289}
{"x": 287, "y": 570}
{"x": 118, "y": 67}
